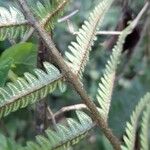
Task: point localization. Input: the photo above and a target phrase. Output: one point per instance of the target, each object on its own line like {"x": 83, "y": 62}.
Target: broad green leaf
{"x": 4, "y": 69}
{"x": 23, "y": 55}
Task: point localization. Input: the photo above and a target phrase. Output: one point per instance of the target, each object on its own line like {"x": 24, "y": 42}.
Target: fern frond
{"x": 65, "y": 136}
{"x": 145, "y": 129}
{"x": 131, "y": 127}
{"x": 29, "y": 89}
{"x": 106, "y": 84}
{"x": 12, "y": 23}
{"x": 78, "y": 53}
{"x": 48, "y": 11}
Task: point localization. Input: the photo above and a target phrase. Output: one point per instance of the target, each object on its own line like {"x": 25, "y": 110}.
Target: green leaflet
{"x": 29, "y": 89}
{"x": 106, "y": 85}
{"x": 78, "y": 53}
{"x": 131, "y": 127}
{"x": 65, "y": 136}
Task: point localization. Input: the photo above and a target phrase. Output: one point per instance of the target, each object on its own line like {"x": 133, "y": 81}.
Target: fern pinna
{"x": 78, "y": 53}
{"x": 28, "y": 90}
{"x": 145, "y": 129}
{"x": 106, "y": 85}
{"x": 65, "y": 136}
{"x": 132, "y": 126}
{"x": 14, "y": 25}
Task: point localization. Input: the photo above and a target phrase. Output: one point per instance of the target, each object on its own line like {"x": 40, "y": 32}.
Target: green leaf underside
{"x": 29, "y": 89}
{"x": 65, "y": 136}
{"x": 145, "y": 123}
{"x": 78, "y": 53}
{"x": 105, "y": 89}
{"x": 131, "y": 127}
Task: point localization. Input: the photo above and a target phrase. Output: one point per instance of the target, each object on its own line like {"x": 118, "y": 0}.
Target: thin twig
{"x": 65, "y": 18}
{"x": 108, "y": 32}
{"x": 134, "y": 24}
{"x": 136, "y": 20}
{"x": 144, "y": 30}
{"x": 52, "y": 116}
{"x": 103, "y": 33}
{"x": 69, "y": 108}
{"x": 72, "y": 30}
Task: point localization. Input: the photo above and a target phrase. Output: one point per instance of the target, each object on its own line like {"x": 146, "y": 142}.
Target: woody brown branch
{"x": 70, "y": 76}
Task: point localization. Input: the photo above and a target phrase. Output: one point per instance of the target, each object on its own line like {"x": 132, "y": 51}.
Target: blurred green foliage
{"x": 130, "y": 86}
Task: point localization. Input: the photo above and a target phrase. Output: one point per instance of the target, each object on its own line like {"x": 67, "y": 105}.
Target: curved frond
{"x": 105, "y": 89}
{"x": 145, "y": 129}
{"x": 29, "y": 89}
{"x": 48, "y": 11}
{"x": 131, "y": 127}
{"x": 12, "y": 23}
{"x": 78, "y": 53}
{"x": 65, "y": 136}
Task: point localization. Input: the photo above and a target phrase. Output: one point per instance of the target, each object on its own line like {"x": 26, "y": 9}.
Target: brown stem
{"x": 70, "y": 76}
{"x": 52, "y": 116}
{"x": 69, "y": 108}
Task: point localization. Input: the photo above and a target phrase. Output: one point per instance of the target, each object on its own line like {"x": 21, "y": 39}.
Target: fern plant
{"x": 64, "y": 137}
{"x": 33, "y": 87}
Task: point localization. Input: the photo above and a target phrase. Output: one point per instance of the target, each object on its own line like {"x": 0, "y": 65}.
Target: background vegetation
{"x": 132, "y": 82}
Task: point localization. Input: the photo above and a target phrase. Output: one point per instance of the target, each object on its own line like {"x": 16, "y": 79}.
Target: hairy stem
{"x": 70, "y": 76}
